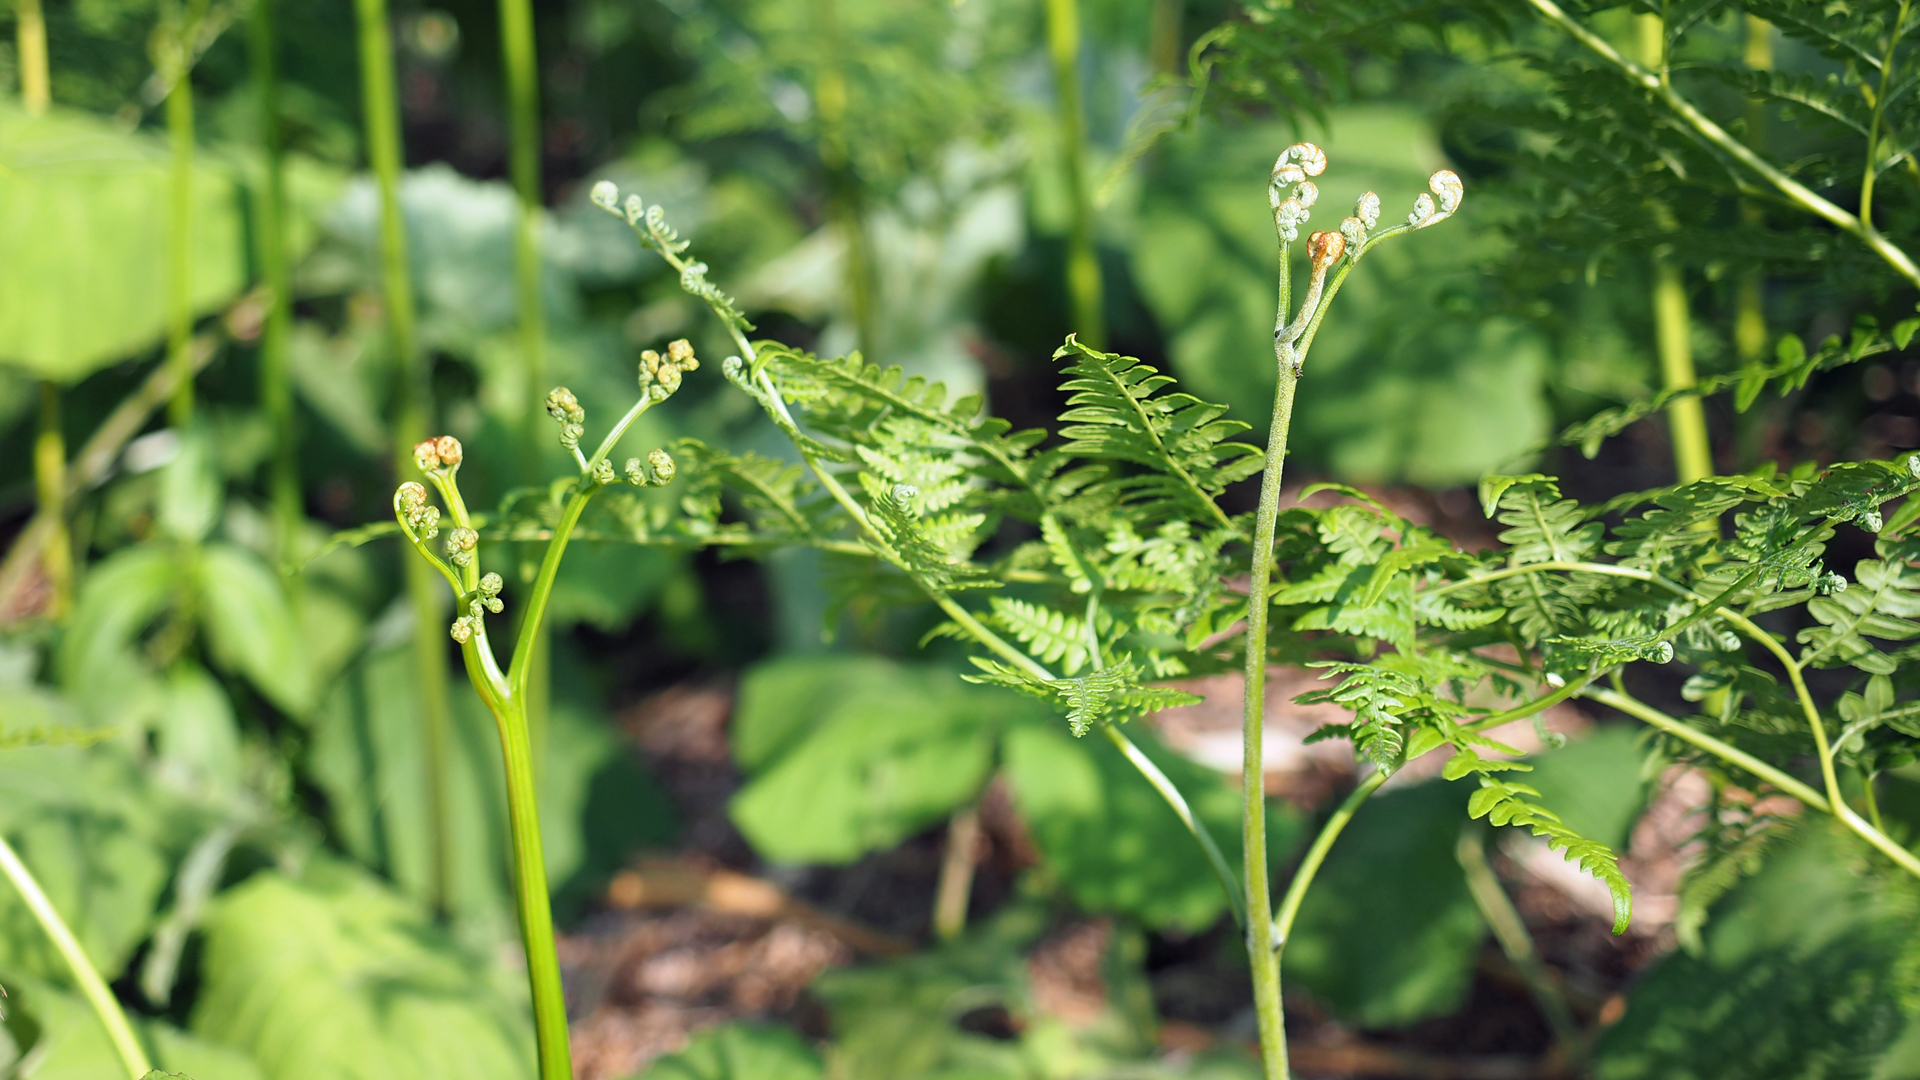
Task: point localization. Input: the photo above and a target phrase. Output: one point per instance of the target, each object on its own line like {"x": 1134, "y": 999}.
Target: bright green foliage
{"x": 739, "y": 1052}
{"x": 368, "y": 753}
{"x": 1111, "y": 841}
{"x": 101, "y": 837}
{"x": 847, "y": 756}
{"x": 83, "y": 222}
{"x": 333, "y": 976}
{"x": 1809, "y": 968}
{"x": 1116, "y": 412}
{"x": 70, "y": 1044}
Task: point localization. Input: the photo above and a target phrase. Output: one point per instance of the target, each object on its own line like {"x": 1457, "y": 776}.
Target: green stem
{"x": 1686, "y": 417}
{"x": 1511, "y": 931}
{"x": 1687, "y": 733}
{"x": 1871, "y": 171}
{"x": 276, "y": 383}
{"x": 1872, "y": 801}
{"x": 180, "y": 221}
{"x": 50, "y": 487}
{"x": 30, "y": 36}
{"x": 1794, "y": 191}
{"x": 105, "y": 1005}
{"x": 1084, "y": 287}
{"x": 411, "y": 411}
{"x": 1316, "y": 855}
{"x": 534, "y": 902}
{"x": 845, "y": 199}
{"x": 1264, "y": 962}
{"x": 520, "y": 59}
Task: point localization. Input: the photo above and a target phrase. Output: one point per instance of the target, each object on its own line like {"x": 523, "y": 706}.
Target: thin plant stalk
{"x": 1084, "y": 287}
{"x": 1750, "y": 318}
{"x": 1262, "y": 958}
{"x": 50, "y": 486}
{"x": 1510, "y": 930}
{"x": 1672, "y": 327}
{"x": 276, "y": 382}
{"x": 180, "y": 210}
{"x": 1870, "y": 170}
{"x": 107, "y": 1007}
{"x": 1163, "y": 36}
{"x": 382, "y": 119}
{"x": 30, "y": 36}
{"x": 956, "y": 873}
{"x": 520, "y": 60}
{"x": 846, "y": 198}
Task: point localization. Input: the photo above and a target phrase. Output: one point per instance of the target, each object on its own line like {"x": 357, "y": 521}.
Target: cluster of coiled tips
{"x": 1292, "y": 195}
{"x": 483, "y": 599}
{"x": 442, "y": 455}
{"x": 420, "y": 517}
{"x": 565, "y": 408}
{"x": 660, "y": 375}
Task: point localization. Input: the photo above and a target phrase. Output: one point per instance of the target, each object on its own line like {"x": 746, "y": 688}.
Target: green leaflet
{"x": 1542, "y": 527}
{"x": 1881, "y": 603}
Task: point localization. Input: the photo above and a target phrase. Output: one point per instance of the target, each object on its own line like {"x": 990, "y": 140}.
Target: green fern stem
{"x": 1084, "y": 287}
{"x": 1316, "y": 855}
{"x": 276, "y": 384}
{"x": 1870, "y": 171}
{"x": 520, "y": 61}
{"x": 179, "y": 55}
{"x": 1686, "y": 417}
{"x": 411, "y": 411}
{"x": 132, "y": 1055}
{"x": 1264, "y": 961}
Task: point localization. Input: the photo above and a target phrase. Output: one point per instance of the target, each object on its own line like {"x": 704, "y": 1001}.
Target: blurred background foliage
{"x": 251, "y": 849}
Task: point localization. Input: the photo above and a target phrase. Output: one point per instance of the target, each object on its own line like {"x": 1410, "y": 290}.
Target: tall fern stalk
{"x": 1084, "y": 287}
{"x": 107, "y": 1007}
{"x": 410, "y": 410}
{"x": 1291, "y": 195}
{"x": 276, "y": 380}
{"x": 30, "y": 37}
{"x": 177, "y": 53}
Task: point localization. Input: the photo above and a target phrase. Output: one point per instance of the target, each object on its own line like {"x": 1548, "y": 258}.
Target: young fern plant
{"x": 506, "y": 692}
{"x": 1126, "y": 582}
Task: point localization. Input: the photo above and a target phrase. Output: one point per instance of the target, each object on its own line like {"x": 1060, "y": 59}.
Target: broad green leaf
{"x": 1804, "y": 972}
{"x": 251, "y": 626}
{"x": 739, "y": 1052}
{"x": 196, "y": 736}
{"x": 84, "y": 219}
{"x": 72, "y": 1045}
{"x": 100, "y": 838}
{"x": 1110, "y": 839}
{"x": 878, "y": 760}
{"x": 369, "y": 757}
{"x": 782, "y": 700}
{"x": 1389, "y": 933}
{"x": 336, "y": 977}
{"x": 122, "y": 595}
{"x": 190, "y": 493}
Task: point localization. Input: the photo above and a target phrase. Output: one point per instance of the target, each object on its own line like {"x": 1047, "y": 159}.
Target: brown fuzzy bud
{"x": 1325, "y": 247}
{"x": 449, "y": 450}
{"x": 426, "y": 456}
{"x": 412, "y": 496}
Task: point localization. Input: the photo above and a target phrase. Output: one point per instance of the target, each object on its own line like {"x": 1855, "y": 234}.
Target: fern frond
{"x": 911, "y": 546}
{"x": 1543, "y": 527}
{"x": 1116, "y": 412}
{"x": 1506, "y": 803}
{"x": 1110, "y": 694}
{"x": 1378, "y": 698}
{"x": 1882, "y": 603}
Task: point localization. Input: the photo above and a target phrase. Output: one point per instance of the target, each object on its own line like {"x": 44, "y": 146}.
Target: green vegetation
{"x": 960, "y": 468}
